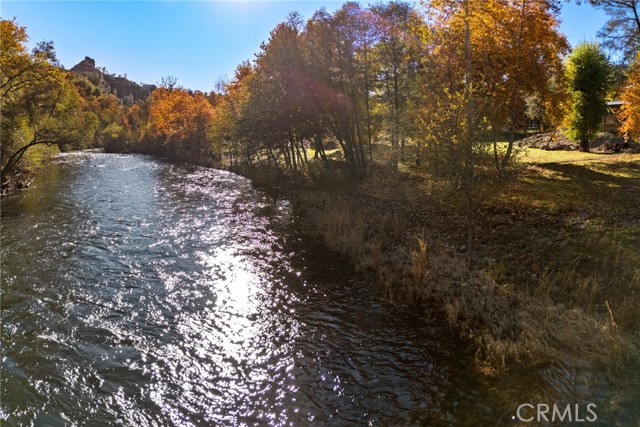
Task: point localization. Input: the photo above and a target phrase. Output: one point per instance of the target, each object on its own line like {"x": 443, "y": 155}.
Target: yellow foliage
{"x": 516, "y": 49}
{"x": 39, "y": 103}
{"x": 630, "y": 112}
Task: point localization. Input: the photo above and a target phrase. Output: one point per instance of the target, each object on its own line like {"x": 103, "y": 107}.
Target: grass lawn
{"x": 537, "y": 156}
{"x": 574, "y": 214}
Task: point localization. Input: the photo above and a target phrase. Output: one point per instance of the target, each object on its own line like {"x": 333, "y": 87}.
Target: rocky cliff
{"x": 110, "y": 83}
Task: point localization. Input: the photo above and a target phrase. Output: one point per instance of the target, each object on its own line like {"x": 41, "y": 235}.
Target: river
{"x": 137, "y": 292}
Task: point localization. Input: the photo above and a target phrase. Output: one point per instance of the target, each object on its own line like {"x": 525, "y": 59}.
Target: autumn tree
{"x": 136, "y": 117}
{"x": 517, "y": 54}
{"x": 180, "y": 122}
{"x": 527, "y": 49}
{"x": 110, "y": 121}
{"x": 483, "y": 59}
{"x": 454, "y": 128}
{"x": 589, "y": 77}
{"x": 38, "y": 100}
{"x": 630, "y": 112}
{"x": 228, "y": 134}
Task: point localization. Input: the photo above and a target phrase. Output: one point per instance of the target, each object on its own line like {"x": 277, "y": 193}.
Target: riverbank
{"x": 15, "y": 184}
{"x": 558, "y": 271}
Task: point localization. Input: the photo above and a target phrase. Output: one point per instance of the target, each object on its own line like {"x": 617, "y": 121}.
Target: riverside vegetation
{"x": 395, "y": 137}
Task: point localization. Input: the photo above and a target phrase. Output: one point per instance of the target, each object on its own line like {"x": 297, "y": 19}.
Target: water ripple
{"x": 141, "y": 293}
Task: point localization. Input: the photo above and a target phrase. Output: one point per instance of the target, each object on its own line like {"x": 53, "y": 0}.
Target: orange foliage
{"x": 179, "y": 116}
{"x": 630, "y": 112}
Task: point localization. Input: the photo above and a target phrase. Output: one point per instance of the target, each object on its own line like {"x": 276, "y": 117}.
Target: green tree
{"x": 276, "y": 111}
{"x": 589, "y": 75}
{"x": 347, "y": 108}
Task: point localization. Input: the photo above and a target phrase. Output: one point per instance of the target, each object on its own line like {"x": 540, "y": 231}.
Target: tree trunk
{"x": 17, "y": 156}
{"x": 293, "y": 154}
{"x": 584, "y": 144}
{"x": 470, "y": 214}
{"x": 469, "y": 166}
{"x": 366, "y": 93}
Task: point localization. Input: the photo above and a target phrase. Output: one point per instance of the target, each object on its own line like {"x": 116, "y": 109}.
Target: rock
{"x": 548, "y": 141}
{"x": 87, "y": 65}
{"x": 614, "y": 144}
{"x": 604, "y": 143}
{"x": 119, "y": 85}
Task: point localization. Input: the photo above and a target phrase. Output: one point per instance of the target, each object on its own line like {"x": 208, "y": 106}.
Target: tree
{"x": 181, "y": 121}
{"x": 39, "y": 103}
{"x": 396, "y": 22}
{"x": 455, "y": 109}
{"x": 325, "y": 104}
{"x": 630, "y": 111}
{"x": 350, "y": 29}
{"x": 589, "y": 76}
{"x": 516, "y": 51}
{"x": 483, "y": 58}
{"x": 622, "y": 30}
{"x": 228, "y": 135}
{"x": 277, "y": 116}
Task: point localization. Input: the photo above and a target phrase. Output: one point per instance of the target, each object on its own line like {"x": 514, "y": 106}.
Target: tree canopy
{"x": 630, "y": 111}
{"x": 432, "y": 77}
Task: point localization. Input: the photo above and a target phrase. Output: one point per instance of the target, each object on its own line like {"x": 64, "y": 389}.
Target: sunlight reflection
{"x": 230, "y": 358}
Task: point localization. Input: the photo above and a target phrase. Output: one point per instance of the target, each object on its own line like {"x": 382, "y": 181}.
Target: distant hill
{"x": 120, "y": 86}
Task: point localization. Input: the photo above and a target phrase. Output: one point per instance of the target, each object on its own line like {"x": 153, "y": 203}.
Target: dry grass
{"x": 558, "y": 273}
{"x": 529, "y": 303}
{"x": 557, "y": 278}
{"x": 507, "y": 326}
{"x": 419, "y": 270}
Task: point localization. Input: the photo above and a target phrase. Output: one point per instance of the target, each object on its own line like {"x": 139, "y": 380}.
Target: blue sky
{"x": 196, "y": 41}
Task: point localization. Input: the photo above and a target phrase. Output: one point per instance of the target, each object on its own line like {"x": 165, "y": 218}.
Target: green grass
{"x": 538, "y": 156}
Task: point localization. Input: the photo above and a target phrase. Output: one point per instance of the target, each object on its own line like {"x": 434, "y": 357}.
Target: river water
{"x": 137, "y": 292}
